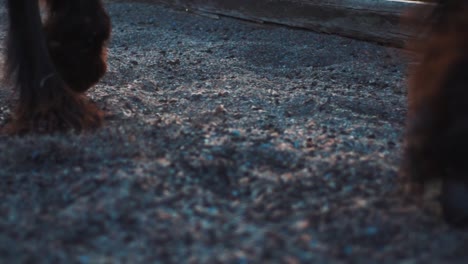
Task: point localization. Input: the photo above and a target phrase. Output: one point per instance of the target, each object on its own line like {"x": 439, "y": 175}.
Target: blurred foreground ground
{"x": 225, "y": 141}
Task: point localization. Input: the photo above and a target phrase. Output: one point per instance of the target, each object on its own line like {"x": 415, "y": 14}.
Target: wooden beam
{"x": 371, "y": 20}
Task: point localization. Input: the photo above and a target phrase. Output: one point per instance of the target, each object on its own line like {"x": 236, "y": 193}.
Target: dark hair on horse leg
{"x": 437, "y": 124}
{"x": 47, "y": 100}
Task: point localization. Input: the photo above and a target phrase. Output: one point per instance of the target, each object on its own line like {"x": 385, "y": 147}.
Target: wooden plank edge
{"x": 369, "y": 20}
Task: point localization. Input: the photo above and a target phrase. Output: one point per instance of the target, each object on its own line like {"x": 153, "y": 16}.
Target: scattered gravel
{"x": 225, "y": 141}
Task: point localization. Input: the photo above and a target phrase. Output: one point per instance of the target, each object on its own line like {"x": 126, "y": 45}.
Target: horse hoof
{"x": 454, "y": 201}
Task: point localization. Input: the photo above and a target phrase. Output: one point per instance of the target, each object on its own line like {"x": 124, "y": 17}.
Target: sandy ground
{"x": 225, "y": 142}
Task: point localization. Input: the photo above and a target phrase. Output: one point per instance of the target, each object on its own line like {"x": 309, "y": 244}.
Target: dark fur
{"x": 50, "y": 65}
{"x": 437, "y": 125}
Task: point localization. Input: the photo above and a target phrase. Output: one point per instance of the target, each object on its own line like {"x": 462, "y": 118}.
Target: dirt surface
{"x": 224, "y": 142}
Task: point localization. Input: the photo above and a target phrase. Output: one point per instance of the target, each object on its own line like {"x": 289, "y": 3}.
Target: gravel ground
{"x": 225, "y": 142}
